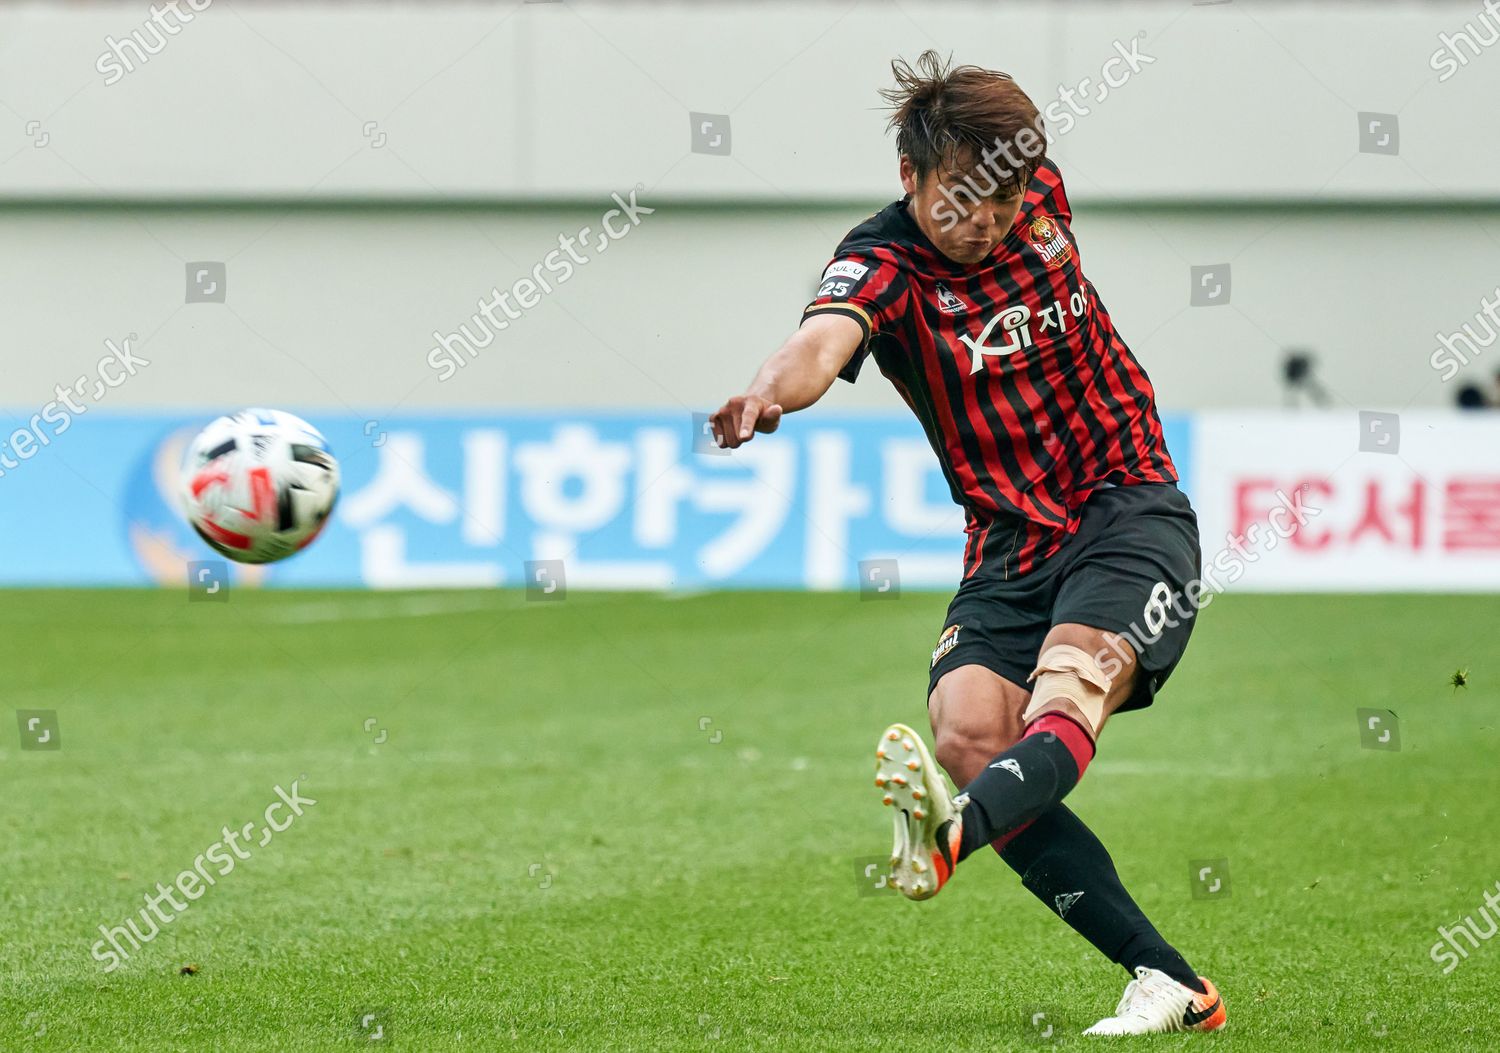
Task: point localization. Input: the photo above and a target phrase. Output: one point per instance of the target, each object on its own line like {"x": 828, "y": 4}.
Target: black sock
{"x": 1024, "y": 781}
{"x": 1067, "y": 868}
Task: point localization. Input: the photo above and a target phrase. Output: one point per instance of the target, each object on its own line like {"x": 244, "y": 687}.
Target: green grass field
{"x": 626, "y": 822}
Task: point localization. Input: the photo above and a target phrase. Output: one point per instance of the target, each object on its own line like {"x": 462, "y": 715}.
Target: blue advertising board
{"x": 624, "y": 500}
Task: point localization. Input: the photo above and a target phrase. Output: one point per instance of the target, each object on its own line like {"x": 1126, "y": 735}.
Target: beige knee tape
{"x": 1067, "y": 673}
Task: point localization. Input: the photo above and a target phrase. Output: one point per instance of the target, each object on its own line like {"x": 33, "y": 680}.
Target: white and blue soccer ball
{"x": 259, "y": 485}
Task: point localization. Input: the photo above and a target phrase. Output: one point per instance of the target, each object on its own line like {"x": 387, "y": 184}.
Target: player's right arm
{"x": 798, "y": 374}
{"x": 860, "y": 295}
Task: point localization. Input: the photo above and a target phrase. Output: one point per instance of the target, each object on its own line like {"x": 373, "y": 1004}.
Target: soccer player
{"x": 969, "y": 295}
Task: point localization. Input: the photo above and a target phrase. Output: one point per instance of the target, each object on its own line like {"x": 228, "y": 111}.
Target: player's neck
{"x": 916, "y": 221}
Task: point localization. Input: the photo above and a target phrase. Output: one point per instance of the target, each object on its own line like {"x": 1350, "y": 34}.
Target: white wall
{"x": 517, "y": 99}
{"x": 336, "y": 306}
{"x": 338, "y": 309}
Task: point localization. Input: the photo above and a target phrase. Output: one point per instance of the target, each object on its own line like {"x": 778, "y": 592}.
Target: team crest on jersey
{"x": 1049, "y": 241}
{"x": 949, "y": 303}
{"x": 947, "y": 642}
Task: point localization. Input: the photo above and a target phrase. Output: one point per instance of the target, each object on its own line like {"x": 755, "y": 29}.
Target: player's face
{"x": 944, "y": 206}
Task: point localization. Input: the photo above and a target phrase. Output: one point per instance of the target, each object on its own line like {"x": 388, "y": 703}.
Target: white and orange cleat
{"x": 1154, "y": 1002}
{"x": 927, "y": 818}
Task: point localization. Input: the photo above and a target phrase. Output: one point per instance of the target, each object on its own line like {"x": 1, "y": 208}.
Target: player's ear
{"x": 908, "y": 175}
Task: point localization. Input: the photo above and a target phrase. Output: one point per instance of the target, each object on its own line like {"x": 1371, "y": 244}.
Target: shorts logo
{"x": 1065, "y": 902}
{"x": 845, "y": 269}
{"x": 1049, "y": 241}
{"x": 947, "y": 642}
{"x": 1156, "y": 608}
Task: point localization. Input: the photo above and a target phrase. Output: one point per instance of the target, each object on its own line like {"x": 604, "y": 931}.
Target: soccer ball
{"x": 259, "y": 485}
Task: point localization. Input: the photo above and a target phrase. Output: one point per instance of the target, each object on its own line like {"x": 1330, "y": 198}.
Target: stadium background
{"x": 365, "y": 174}
{"x": 638, "y": 819}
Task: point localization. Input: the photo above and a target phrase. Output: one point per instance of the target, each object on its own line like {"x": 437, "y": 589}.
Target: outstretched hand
{"x": 737, "y": 421}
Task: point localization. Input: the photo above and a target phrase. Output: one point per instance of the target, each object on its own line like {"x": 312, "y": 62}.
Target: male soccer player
{"x": 969, "y": 295}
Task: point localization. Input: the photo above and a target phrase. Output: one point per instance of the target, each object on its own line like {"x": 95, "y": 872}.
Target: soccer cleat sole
{"x": 913, "y": 788}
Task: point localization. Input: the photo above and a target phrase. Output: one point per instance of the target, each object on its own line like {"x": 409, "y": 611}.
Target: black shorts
{"x": 1126, "y": 571}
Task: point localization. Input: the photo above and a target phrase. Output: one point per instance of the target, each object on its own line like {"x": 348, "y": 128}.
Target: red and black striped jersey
{"x": 1029, "y": 396}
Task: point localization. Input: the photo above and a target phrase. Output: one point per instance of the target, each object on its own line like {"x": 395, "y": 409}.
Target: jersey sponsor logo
{"x": 1015, "y": 325}
{"x": 1049, "y": 241}
{"x": 948, "y": 303}
{"x": 845, "y": 269}
{"x": 1011, "y": 765}
{"x": 947, "y": 642}
{"x": 1065, "y": 902}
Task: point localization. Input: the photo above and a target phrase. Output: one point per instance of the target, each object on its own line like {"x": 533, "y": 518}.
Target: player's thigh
{"x": 1127, "y": 595}
{"x": 977, "y": 680}
{"x": 975, "y": 714}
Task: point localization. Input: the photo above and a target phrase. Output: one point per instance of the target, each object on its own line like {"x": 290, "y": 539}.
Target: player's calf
{"x": 1025, "y": 781}
{"x": 1069, "y": 703}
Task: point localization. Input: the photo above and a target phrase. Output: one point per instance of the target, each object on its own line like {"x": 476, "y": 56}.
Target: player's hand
{"x": 741, "y": 417}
